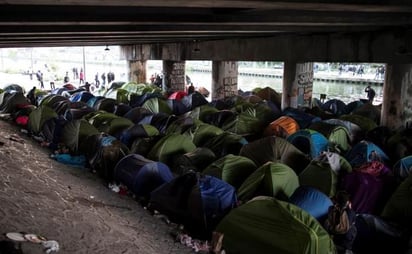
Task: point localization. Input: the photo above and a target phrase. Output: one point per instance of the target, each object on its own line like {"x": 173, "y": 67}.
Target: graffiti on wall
{"x": 304, "y": 83}
{"x": 177, "y": 76}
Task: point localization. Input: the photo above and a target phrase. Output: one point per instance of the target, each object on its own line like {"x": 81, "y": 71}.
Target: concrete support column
{"x": 297, "y": 85}
{"x": 224, "y": 79}
{"x": 174, "y": 75}
{"x": 137, "y": 71}
{"x": 397, "y": 91}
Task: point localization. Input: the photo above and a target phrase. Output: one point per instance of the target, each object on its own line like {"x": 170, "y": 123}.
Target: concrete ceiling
{"x": 37, "y": 23}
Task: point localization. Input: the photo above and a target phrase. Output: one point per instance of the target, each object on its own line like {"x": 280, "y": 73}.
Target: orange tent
{"x": 282, "y": 127}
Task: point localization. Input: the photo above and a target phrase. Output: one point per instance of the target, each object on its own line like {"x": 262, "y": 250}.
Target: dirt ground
{"x": 71, "y": 205}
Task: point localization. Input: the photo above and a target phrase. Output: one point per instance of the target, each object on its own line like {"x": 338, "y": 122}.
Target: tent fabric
{"x": 232, "y": 169}
{"x": 313, "y": 201}
{"x": 75, "y": 133}
{"x": 355, "y": 132}
{"x": 138, "y": 100}
{"x": 269, "y": 94}
{"x": 140, "y": 175}
{"x": 157, "y": 105}
{"x": 366, "y": 151}
{"x": 180, "y": 125}
{"x": 105, "y": 104}
{"x": 399, "y": 207}
{"x": 363, "y": 122}
{"x": 225, "y": 143}
{"x": 196, "y": 160}
{"x": 369, "y": 111}
{"x": 376, "y": 235}
{"x": 137, "y": 130}
{"x": 309, "y": 142}
{"x": 13, "y": 88}
{"x": 201, "y": 112}
{"x": 170, "y": 146}
{"x": 282, "y": 127}
{"x": 11, "y": 101}
{"x": 194, "y": 100}
{"x": 159, "y": 120}
{"x": 403, "y": 167}
{"x": 197, "y": 201}
{"x": 201, "y": 132}
{"x": 399, "y": 145}
{"x": 177, "y": 95}
{"x": 178, "y": 108}
{"x": 243, "y": 124}
{"x": 83, "y": 96}
{"x": 272, "y": 179}
{"x": 337, "y": 135}
{"x": 104, "y": 153}
{"x": 219, "y": 118}
{"x": 137, "y": 114}
{"x": 275, "y": 149}
{"x": 302, "y": 118}
{"x": 319, "y": 175}
{"x": 335, "y": 106}
{"x": 368, "y": 193}
{"x": 108, "y": 122}
{"x": 38, "y": 117}
{"x": 266, "y": 225}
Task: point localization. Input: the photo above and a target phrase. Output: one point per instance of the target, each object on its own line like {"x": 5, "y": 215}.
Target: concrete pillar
{"x": 397, "y": 91}
{"x": 297, "y": 85}
{"x": 224, "y": 79}
{"x": 174, "y": 72}
{"x": 137, "y": 71}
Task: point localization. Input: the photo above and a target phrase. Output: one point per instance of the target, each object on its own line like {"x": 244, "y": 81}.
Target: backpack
{"x": 338, "y": 220}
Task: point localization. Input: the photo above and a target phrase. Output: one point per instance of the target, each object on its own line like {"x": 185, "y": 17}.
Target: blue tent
{"x": 141, "y": 175}
{"x": 83, "y": 96}
{"x": 303, "y": 119}
{"x": 366, "y": 151}
{"x": 313, "y": 201}
{"x": 197, "y": 201}
{"x": 403, "y": 167}
{"x": 309, "y": 142}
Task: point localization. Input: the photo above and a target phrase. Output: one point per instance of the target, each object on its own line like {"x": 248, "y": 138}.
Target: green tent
{"x": 157, "y": 105}
{"x": 108, "y": 122}
{"x": 201, "y": 112}
{"x": 244, "y": 124}
{"x": 322, "y": 173}
{"x": 336, "y": 134}
{"x": 169, "y": 147}
{"x": 232, "y": 169}
{"x": 275, "y": 149}
{"x": 140, "y": 89}
{"x": 265, "y": 225}
{"x": 120, "y": 95}
{"x": 75, "y": 133}
{"x": 11, "y": 101}
{"x": 225, "y": 143}
{"x": 399, "y": 206}
{"x": 38, "y": 117}
{"x": 272, "y": 179}
{"x": 366, "y": 124}
{"x": 201, "y": 132}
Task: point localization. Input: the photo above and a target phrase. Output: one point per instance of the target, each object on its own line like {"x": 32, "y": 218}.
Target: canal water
{"x": 346, "y": 92}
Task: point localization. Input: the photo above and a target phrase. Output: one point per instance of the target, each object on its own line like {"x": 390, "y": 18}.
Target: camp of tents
{"x": 261, "y": 176}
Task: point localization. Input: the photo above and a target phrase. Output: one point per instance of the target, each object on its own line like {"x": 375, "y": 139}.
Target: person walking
{"x": 81, "y": 76}
{"x": 370, "y": 93}
{"x": 103, "y": 78}
{"x": 96, "y": 80}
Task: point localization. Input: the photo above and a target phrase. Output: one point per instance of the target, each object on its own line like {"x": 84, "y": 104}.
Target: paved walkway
{"x": 71, "y": 205}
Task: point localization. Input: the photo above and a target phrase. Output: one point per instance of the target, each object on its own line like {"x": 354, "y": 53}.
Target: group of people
{"x": 109, "y": 77}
